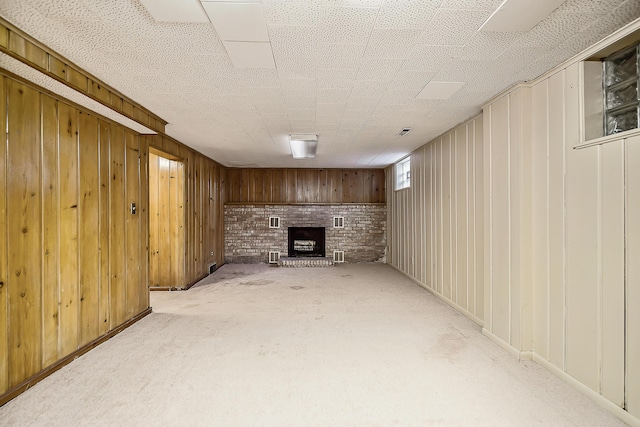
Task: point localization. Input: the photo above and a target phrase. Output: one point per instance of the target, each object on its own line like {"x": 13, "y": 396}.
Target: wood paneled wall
{"x": 564, "y": 240}
{"x": 73, "y": 259}
{"x": 204, "y": 198}
{"x": 28, "y": 50}
{"x": 435, "y": 228}
{"x": 166, "y": 222}
{"x": 306, "y": 185}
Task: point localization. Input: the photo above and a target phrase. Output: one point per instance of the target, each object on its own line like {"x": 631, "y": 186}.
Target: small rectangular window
{"x": 620, "y": 84}
{"x": 274, "y": 257}
{"x": 403, "y": 173}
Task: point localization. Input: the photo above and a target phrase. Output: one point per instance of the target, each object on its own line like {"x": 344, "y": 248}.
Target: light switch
{"x": 133, "y": 209}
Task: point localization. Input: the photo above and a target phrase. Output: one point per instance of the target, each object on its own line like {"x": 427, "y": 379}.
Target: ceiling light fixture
{"x": 303, "y": 146}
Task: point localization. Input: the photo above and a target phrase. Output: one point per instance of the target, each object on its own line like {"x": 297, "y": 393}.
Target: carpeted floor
{"x": 352, "y": 345}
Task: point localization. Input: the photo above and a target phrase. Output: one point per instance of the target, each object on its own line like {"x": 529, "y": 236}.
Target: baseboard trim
{"x": 596, "y": 397}
{"x": 180, "y": 288}
{"x": 458, "y": 308}
{"x": 26, "y": 384}
{"x": 500, "y": 343}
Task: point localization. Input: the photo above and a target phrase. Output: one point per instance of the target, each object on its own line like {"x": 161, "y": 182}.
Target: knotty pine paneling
{"x": 24, "y": 215}
{"x": 166, "y": 222}
{"x": 4, "y": 307}
{"x": 306, "y": 185}
{"x": 28, "y": 50}
{"x": 203, "y": 192}
{"x": 73, "y": 259}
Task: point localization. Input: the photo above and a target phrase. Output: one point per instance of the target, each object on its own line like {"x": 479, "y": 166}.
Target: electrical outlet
{"x": 211, "y": 253}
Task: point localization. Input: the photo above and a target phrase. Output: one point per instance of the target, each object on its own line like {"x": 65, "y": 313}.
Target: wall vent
{"x": 274, "y": 257}
{"x": 338, "y": 256}
{"x": 212, "y": 268}
{"x": 274, "y": 222}
{"x": 338, "y": 222}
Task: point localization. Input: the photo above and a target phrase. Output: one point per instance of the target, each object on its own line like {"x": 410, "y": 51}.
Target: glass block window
{"x": 621, "y": 91}
{"x": 403, "y": 173}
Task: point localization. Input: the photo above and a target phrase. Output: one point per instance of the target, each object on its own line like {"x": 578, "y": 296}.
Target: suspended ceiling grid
{"x": 349, "y": 71}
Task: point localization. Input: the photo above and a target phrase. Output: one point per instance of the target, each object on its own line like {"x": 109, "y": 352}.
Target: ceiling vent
{"x": 404, "y": 131}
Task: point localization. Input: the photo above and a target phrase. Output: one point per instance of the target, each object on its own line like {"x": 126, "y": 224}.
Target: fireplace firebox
{"x": 306, "y": 242}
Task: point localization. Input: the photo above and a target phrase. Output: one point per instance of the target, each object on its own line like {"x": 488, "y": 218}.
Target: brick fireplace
{"x": 250, "y": 233}
{"x": 306, "y": 241}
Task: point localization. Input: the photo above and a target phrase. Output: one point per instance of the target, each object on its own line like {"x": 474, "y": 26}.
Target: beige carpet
{"x": 354, "y": 345}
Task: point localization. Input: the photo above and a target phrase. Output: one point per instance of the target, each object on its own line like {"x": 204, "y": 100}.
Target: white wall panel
{"x": 565, "y": 210}
{"x": 540, "y": 219}
{"x": 583, "y": 218}
{"x": 462, "y": 268}
{"x": 612, "y": 280}
{"x": 500, "y": 226}
{"x": 436, "y": 221}
{"x": 556, "y": 216}
{"x": 633, "y": 274}
{"x": 479, "y": 217}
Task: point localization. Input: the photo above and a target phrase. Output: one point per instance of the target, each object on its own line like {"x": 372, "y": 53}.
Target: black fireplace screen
{"x": 306, "y": 242}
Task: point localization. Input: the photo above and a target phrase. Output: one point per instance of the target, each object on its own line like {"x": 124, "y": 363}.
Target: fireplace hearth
{"x": 306, "y": 242}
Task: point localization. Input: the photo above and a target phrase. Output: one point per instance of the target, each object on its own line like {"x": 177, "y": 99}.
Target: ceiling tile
{"x": 293, "y": 42}
{"x": 237, "y": 21}
{"x": 452, "y": 27}
{"x": 519, "y": 15}
{"x": 292, "y": 12}
{"x": 333, "y": 96}
{"x": 340, "y": 56}
{"x": 488, "y": 45}
{"x": 298, "y": 87}
{"x": 491, "y": 5}
{"x": 391, "y": 43}
{"x": 431, "y": 58}
{"x": 296, "y": 68}
{"x": 620, "y": 16}
{"x": 172, "y": 11}
{"x": 358, "y": 93}
{"x": 250, "y": 54}
{"x": 589, "y": 7}
{"x": 407, "y": 13}
{"x": 378, "y": 68}
{"x": 346, "y": 24}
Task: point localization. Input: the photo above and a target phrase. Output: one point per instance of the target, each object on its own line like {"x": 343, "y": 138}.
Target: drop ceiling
{"x": 353, "y": 72}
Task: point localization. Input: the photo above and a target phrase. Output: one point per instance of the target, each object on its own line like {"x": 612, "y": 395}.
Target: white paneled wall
{"x": 435, "y": 227}
{"x": 632, "y": 273}
{"x": 563, "y": 239}
{"x": 533, "y": 232}
{"x": 508, "y": 281}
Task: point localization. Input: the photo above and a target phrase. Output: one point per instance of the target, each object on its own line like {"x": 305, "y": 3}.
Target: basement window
{"x": 610, "y": 84}
{"x": 621, "y": 91}
{"x": 403, "y": 173}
